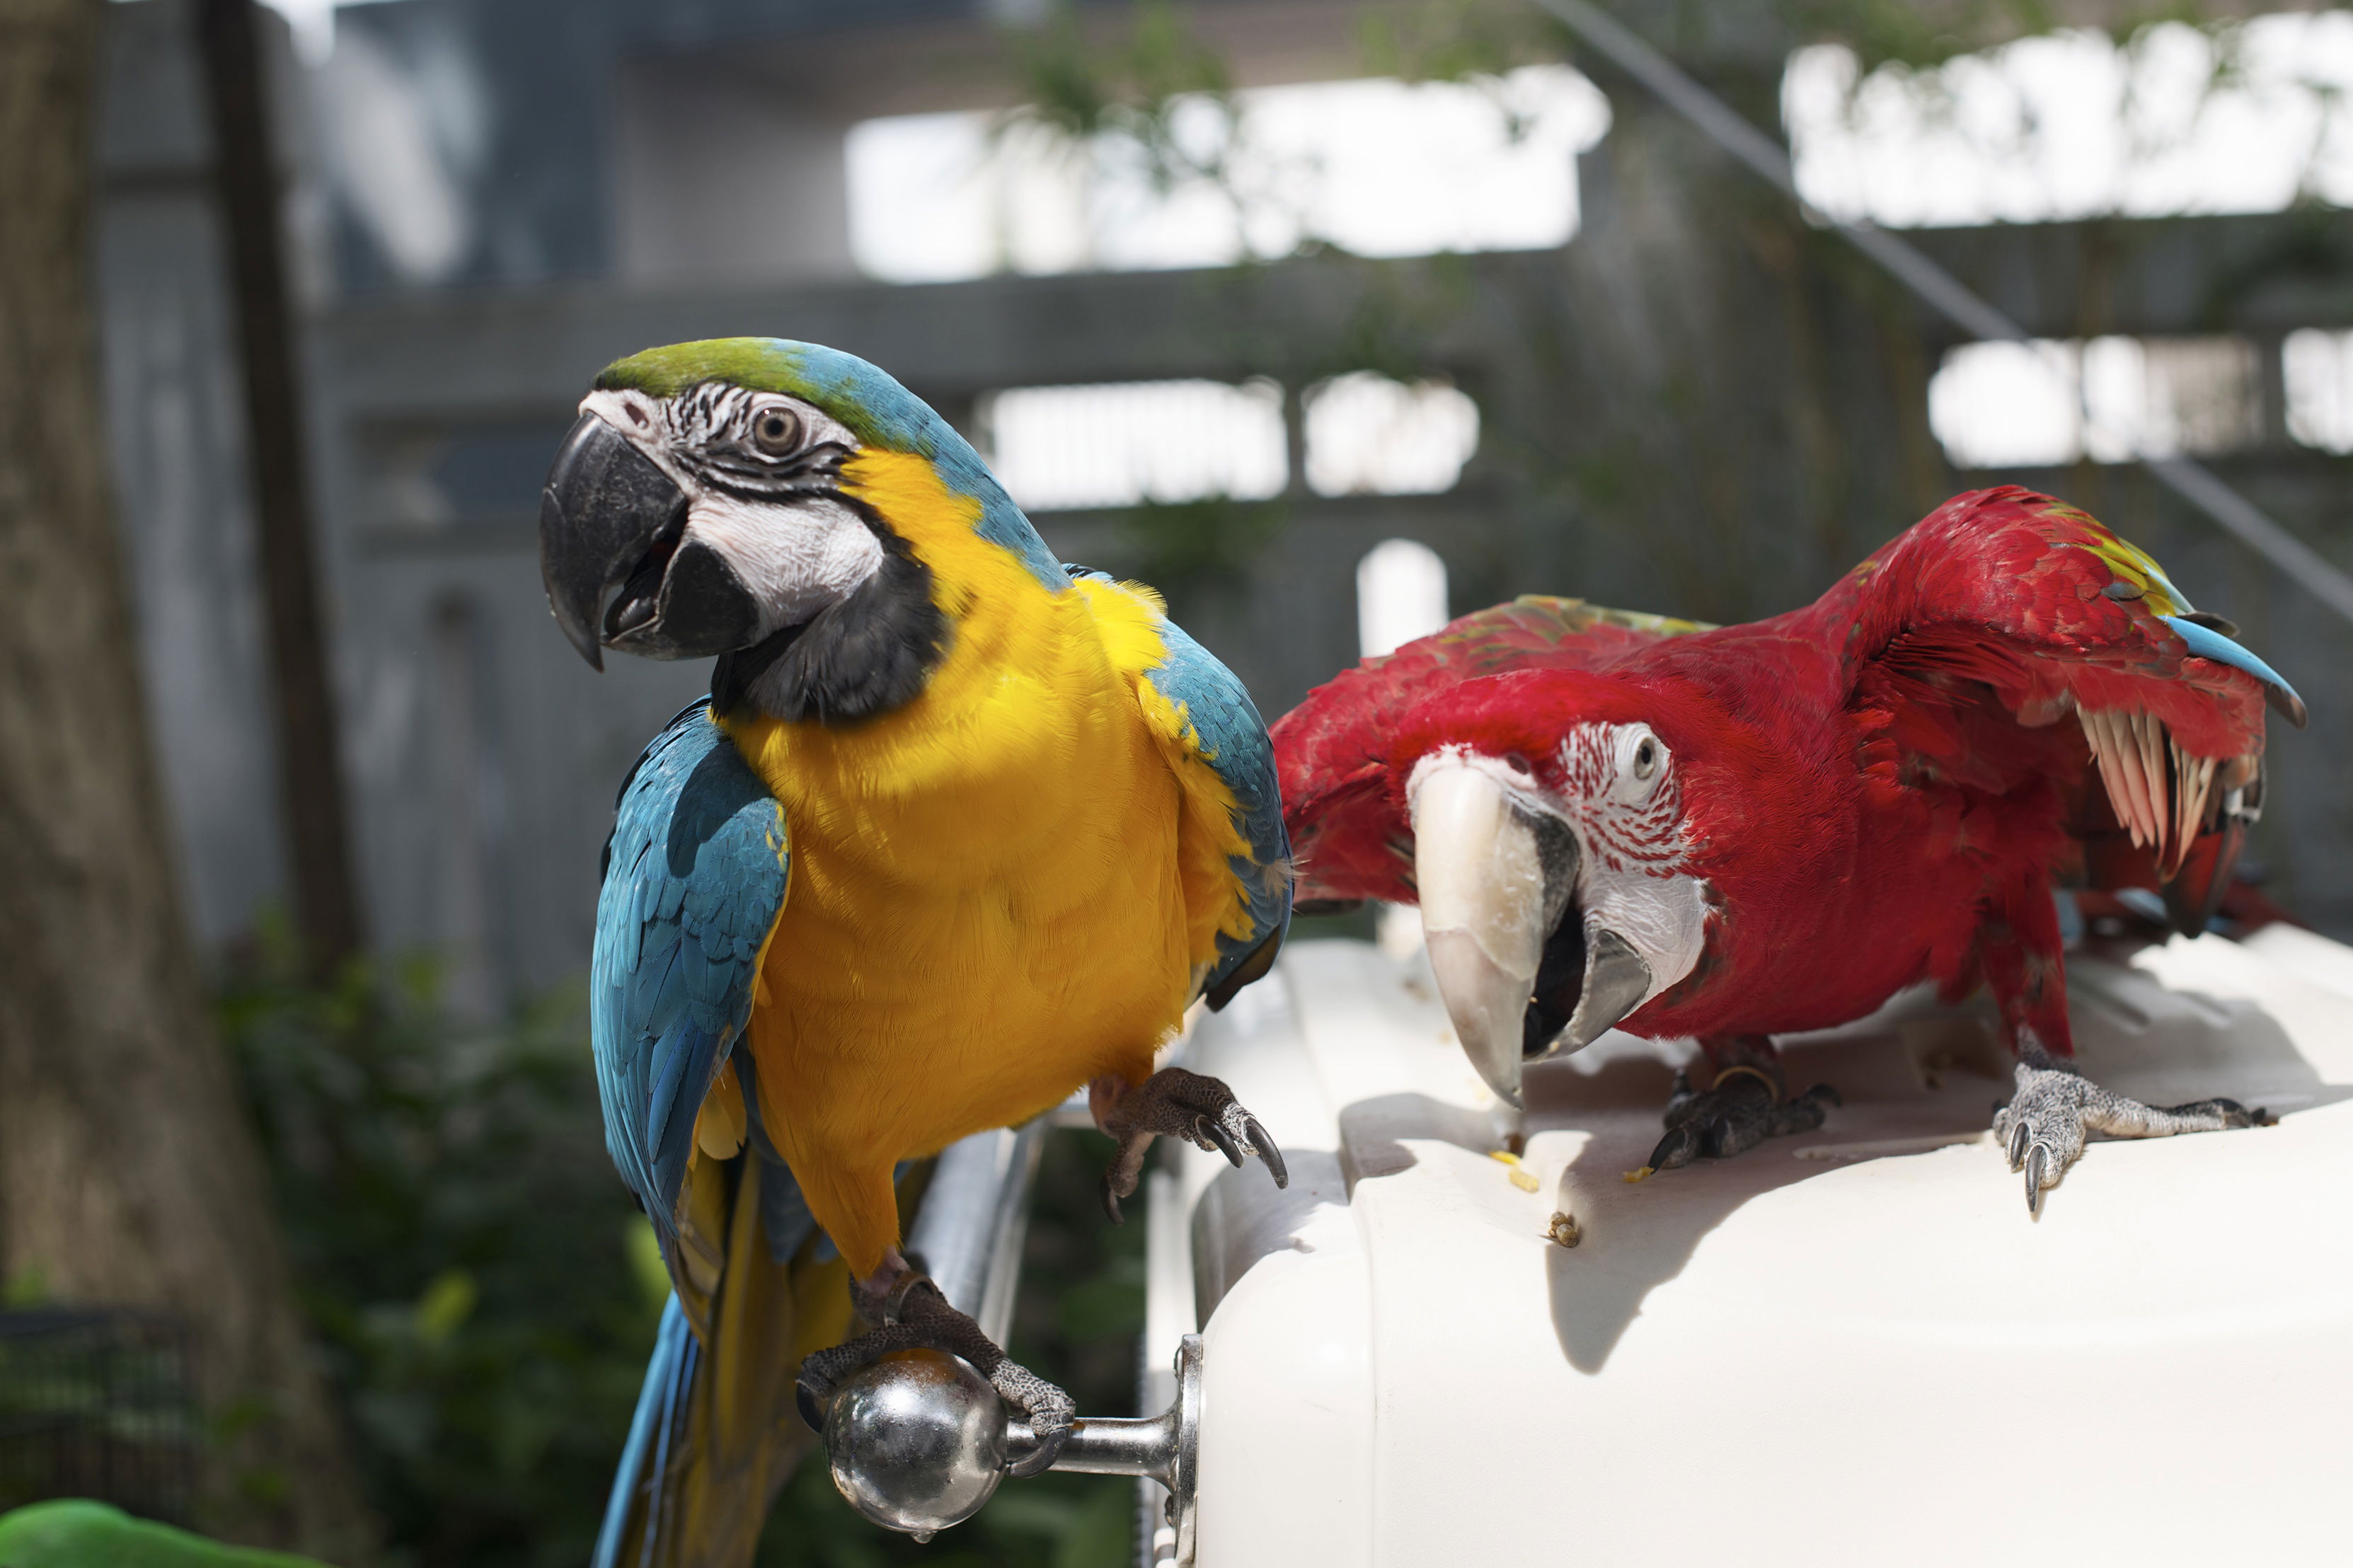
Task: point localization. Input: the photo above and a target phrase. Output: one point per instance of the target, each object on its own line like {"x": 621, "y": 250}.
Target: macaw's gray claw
{"x": 1737, "y": 1111}
{"x": 1174, "y": 1103}
{"x": 1678, "y": 1147}
{"x": 1271, "y": 1156}
{"x": 2056, "y": 1110}
{"x": 1228, "y": 1144}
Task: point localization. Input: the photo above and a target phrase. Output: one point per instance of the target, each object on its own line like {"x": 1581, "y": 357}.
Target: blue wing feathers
{"x": 696, "y": 877}
{"x": 1234, "y": 741}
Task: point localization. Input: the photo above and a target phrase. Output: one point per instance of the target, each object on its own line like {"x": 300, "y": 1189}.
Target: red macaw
{"x": 1729, "y": 833}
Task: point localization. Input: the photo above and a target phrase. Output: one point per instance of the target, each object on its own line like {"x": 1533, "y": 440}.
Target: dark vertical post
{"x": 309, "y": 772}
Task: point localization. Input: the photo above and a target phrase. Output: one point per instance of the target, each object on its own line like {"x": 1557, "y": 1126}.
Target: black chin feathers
{"x": 853, "y": 660}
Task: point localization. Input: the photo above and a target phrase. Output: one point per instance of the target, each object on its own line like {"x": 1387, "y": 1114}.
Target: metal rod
{"x": 1164, "y": 1448}
{"x": 975, "y": 1213}
{"x": 1008, "y": 1230}
{"x": 1113, "y": 1446}
{"x": 1939, "y": 289}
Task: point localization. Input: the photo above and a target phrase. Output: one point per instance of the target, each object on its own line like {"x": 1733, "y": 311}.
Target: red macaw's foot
{"x": 914, "y": 1315}
{"x": 2044, "y": 1126}
{"x": 1174, "y": 1104}
{"x": 1747, "y": 1103}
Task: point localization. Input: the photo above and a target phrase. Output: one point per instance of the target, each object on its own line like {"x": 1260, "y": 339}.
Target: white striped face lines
{"x": 1618, "y": 793}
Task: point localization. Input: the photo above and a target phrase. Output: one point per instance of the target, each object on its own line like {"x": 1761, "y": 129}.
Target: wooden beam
{"x": 310, "y": 772}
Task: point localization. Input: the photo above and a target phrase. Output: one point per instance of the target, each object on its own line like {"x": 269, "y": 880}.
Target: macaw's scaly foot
{"x": 915, "y": 1315}
{"x": 2056, "y": 1107}
{"x": 1744, "y": 1106}
{"x": 1178, "y": 1104}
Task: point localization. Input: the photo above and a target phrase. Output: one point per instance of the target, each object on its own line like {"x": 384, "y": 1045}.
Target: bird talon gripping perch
{"x": 1174, "y": 1104}
{"x": 2044, "y": 1126}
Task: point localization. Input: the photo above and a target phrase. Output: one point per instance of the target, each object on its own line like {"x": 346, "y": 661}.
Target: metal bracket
{"x": 1164, "y": 1448}
{"x": 919, "y": 1441}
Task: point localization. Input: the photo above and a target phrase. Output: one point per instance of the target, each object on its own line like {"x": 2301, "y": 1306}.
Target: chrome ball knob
{"x": 916, "y": 1441}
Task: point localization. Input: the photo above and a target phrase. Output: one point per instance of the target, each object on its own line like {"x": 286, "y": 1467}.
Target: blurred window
{"x": 1124, "y": 443}
{"x": 1377, "y": 167}
{"x": 1400, "y": 596}
{"x": 2317, "y": 367}
{"x": 2000, "y": 404}
{"x": 482, "y": 473}
{"x": 1368, "y": 435}
{"x": 2244, "y": 117}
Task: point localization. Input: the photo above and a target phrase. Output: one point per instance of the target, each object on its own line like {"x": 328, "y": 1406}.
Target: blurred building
{"x": 1541, "y": 333}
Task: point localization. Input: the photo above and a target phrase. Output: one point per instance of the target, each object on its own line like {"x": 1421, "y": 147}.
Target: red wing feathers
{"x": 2057, "y": 615}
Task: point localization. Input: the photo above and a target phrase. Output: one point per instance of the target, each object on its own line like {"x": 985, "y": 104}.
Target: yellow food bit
{"x": 1636, "y": 1175}
{"x": 1563, "y": 1231}
{"x": 1522, "y": 1177}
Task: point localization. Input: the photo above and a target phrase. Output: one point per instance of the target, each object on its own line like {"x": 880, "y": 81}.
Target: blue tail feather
{"x": 669, "y": 1377}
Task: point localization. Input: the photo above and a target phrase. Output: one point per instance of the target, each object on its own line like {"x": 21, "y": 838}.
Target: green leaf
{"x": 445, "y": 1305}
{"x": 645, "y": 1258}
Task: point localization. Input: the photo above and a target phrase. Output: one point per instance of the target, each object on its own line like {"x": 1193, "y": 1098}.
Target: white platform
{"x": 1848, "y": 1347}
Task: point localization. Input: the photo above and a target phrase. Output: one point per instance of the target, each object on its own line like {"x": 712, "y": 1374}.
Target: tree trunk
{"x": 127, "y": 1171}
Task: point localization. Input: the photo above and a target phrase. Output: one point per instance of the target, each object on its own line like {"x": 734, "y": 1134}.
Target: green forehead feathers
{"x": 874, "y": 408}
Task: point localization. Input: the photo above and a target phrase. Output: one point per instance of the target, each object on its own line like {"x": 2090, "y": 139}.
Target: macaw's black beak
{"x": 610, "y": 518}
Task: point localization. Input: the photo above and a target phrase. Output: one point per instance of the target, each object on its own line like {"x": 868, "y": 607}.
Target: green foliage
{"x": 461, "y": 1246}
{"x": 1456, "y": 40}
{"x": 1185, "y": 548}
{"x": 487, "y": 1291}
{"x": 1130, "y": 89}
{"x": 1902, "y": 32}
{"x": 73, "y": 1533}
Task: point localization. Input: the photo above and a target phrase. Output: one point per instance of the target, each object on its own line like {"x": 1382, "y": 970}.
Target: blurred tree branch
{"x": 126, "y": 1170}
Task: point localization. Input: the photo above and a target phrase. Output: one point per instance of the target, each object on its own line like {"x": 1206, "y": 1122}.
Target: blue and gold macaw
{"x": 958, "y": 830}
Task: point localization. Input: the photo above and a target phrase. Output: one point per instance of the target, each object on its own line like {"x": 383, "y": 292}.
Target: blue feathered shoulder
{"x": 1234, "y": 743}
{"x": 694, "y": 878}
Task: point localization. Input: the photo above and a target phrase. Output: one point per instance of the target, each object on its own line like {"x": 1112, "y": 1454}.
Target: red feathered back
{"x": 1332, "y": 750}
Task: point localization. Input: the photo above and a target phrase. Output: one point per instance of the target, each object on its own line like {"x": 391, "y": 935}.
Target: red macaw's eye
{"x": 776, "y": 431}
{"x": 1646, "y": 759}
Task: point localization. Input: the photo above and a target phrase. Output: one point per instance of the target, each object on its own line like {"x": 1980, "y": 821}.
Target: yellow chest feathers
{"x": 993, "y": 892}
{"x": 1028, "y": 740}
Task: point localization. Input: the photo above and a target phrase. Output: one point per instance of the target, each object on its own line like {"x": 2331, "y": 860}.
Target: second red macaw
{"x": 1728, "y": 833}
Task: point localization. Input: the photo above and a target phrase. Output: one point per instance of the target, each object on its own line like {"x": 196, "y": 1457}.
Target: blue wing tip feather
{"x": 2208, "y": 643}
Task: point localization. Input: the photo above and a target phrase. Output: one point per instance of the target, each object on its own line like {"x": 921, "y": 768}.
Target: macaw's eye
{"x": 775, "y": 432}
{"x": 1646, "y": 759}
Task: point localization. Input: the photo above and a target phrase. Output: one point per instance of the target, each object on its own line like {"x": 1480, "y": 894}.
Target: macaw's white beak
{"x": 1494, "y": 875}
{"x": 1523, "y": 971}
